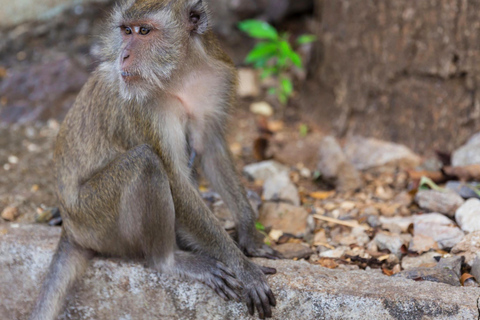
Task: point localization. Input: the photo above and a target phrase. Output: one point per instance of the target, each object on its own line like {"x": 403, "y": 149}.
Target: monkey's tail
{"x": 68, "y": 264}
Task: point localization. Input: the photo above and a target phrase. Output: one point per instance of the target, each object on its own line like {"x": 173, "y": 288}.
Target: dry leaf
{"x": 327, "y": 263}
{"x": 321, "y": 195}
{"x": 465, "y": 277}
{"x": 387, "y": 271}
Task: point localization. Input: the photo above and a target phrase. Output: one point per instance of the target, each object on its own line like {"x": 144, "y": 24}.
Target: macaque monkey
{"x": 122, "y": 159}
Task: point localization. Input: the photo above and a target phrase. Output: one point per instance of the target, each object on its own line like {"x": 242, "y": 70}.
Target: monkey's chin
{"x": 134, "y": 91}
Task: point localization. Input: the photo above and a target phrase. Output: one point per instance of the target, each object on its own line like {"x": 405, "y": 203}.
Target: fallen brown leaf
{"x": 327, "y": 263}
{"x": 321, "y": 195}
{"x": 465, "y": 277}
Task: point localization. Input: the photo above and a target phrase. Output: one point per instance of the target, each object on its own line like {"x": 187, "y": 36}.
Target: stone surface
{"x": 42, "y": 91}
{"x": 264, "y": 170}
{"x": 439, "y": 228}
{"x": 280, "y": 188}
{"x": 463, "y": 189}
{"x": 386, "y": 63}
{"x": 366, "y": 153}
{"x": 468, "y": 215}
{"x": 421, "y": 243}
{"x": 392, "y": 242}
{"x": 446, "y": 271}
{"x": 467, "y": 154}
{"x": 446, "y": 202}
{"x": 335, "y": 167}
{"x": 284, "y": 217}
{"x": 248, "y": 85}
{"x": 113, "y": 289}
{"x": 476, "y": 268}
{"x": 469, "y": 247}
{"x": 424, "y": 260}
{"x": 294, "y": 250}
{"x": 261, "y": 108}
{"x": 10, "y": 213}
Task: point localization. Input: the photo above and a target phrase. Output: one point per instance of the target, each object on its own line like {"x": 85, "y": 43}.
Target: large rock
{"x": 335, "y": 167}
{"x": 398, "y": 70}
{"x": 113, "y": 289}
{"x": 366, "y": 153}
{"x": 446, "y": 202}
{"x": 42, "y": 91}
{"x": 285, "y": 217}
{"x": 468, "y": 215}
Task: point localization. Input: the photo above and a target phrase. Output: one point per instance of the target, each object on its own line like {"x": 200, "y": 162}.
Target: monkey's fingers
{"x": 257, "y": 302}
{"x": 265, "y": 303}
{"x": 268, "y": 270}
{"x": 263, "y": 251}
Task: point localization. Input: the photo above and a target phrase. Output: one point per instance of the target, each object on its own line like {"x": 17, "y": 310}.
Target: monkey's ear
{"x": 198, "y": 18}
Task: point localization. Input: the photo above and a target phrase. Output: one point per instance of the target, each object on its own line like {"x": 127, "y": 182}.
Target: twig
{"x": 351, "y": 224}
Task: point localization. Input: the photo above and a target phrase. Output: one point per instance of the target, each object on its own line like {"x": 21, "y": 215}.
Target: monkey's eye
{"x": 128, "y": 30}
{"x": 144, "y": 31}
{"x": 194, "y": 17}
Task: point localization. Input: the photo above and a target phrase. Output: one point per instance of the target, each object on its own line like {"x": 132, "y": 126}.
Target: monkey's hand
{"x": 256, "y": 290}
{"x": 253, "y": 246}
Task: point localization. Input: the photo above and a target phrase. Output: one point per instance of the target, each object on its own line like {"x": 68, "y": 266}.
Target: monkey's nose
{"x": 126, "y": 56}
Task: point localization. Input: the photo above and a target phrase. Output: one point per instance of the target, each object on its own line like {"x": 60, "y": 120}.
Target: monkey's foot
{"x": 211, "y": 272}
{"x": 223, "y": 282}
{"x": 256, "y": 291}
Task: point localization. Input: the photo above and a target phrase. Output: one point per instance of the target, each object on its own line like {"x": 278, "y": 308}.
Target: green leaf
{"x": 272, "y": 91}
{"x": 259, "y": 226}
{"x": 258, "y": 29}
{"x": 427, "y": 182}
{"x": 297, "y": 61}
{"x": 262, "y": 52}
{"x": 287, "y": 86}
{"x": 267, "y": 72}
{"x": 303, "y": 130}
{"x": 306, "y": 38}
{"x": 282, "y": 97}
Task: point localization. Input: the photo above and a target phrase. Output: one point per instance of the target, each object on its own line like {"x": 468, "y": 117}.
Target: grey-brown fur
{"x": 122, "y": 165}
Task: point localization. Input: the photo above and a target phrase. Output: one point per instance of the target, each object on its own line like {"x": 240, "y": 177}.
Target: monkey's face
{"x": 152, "y": 40}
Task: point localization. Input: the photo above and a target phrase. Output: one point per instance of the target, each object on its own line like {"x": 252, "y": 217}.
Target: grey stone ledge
{"x": 113, "y": 289}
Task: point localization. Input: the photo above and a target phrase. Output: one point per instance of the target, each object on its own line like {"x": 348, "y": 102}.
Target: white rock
{"x": 425, "y": 260}
{"x": 468, "y": 153}
{"x": 469, "y": 247}
{"x": 439, "y": 228}
{"x": 264, "y": 170}
{"x": 392, "y": 242}
{"x": 468, "y": 215}
{"x": 446, "y": 202}
{"x": 335, "y": 253}
{"x": 280, "y": 187}
{"x": 396, "y": 223}
{"x": 248, "y": 85}
{"x": 262, "y": 108}
{"x": 335, "y": 167}
{"x": 367, "y": 153}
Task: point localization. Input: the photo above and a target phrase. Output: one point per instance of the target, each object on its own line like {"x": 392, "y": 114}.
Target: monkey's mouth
{"x": 130, "y": 76}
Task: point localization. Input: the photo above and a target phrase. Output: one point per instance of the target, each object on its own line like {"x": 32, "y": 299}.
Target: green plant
{"x": 274, "y": 56}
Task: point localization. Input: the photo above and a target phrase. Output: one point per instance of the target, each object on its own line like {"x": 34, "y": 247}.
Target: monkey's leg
{"x": 132, "y": 199}
{"x": 218, "y": 166}
{"x": 68, "y": 263}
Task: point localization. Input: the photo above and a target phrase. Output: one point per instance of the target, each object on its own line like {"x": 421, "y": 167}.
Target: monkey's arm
{"x": 219, "y": 168}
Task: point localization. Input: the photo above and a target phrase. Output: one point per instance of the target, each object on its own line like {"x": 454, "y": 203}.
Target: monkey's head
{"x": 149, "y": 40}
